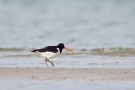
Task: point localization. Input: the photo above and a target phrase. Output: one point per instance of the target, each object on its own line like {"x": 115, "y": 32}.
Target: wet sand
{"x": 58, "y": 74}
{"x": 27, "y": 72}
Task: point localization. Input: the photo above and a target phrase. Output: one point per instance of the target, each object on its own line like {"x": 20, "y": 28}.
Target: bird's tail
{"x": 34, "y": 50}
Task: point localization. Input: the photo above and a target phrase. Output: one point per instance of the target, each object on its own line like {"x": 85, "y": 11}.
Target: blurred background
{"x": 79, "y": 24}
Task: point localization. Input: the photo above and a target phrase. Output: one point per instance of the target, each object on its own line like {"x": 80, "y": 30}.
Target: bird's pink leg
{"x": 50, "y": 62}
{"x": 46, "y": 63}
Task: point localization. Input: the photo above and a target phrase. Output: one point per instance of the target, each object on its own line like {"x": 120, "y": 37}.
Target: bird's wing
{"x": 48, "y": 49}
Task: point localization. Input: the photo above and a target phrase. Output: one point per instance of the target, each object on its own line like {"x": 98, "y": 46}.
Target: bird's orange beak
{"x": 68, "y": 50}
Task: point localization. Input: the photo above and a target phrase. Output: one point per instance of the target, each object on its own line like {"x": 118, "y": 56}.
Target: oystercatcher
{"x": 51, "y": 52}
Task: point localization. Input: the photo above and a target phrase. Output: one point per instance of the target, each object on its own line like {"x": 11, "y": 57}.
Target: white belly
{"x": 48, "y": 54}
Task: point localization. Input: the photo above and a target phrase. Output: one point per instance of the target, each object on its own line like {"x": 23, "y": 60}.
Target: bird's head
{"x": 62, "y": 46}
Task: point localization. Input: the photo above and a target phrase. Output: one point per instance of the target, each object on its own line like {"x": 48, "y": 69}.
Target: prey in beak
{"x": 68, "y": 50}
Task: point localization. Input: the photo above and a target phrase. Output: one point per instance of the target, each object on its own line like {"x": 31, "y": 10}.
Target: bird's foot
{"x": 52, "y": 64}
{"x": 46, "y": 63}
{"x": 47, "y": 66}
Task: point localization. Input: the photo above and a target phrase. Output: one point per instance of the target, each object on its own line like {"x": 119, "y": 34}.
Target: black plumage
{"x": 51, "y": 48}
{"x": 48, "y": 48}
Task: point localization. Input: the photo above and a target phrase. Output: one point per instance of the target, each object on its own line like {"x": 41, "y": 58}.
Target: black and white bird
{"x": 51, "y": 52}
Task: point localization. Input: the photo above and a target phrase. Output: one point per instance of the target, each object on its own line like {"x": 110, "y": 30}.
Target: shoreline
{"x": 59, "y": 74}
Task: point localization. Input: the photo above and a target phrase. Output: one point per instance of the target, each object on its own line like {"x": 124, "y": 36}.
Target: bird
{"x": 49, "y": 52}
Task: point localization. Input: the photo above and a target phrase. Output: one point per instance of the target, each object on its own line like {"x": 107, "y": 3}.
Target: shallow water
{"x": 79, "y": 24}
{"x": 81, "y": 60}
{"x": 67, "y": 85}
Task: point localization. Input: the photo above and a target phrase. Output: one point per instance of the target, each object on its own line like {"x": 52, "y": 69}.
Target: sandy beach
{"x": 20, "y": 70}
{"x": 85, "y": 74}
